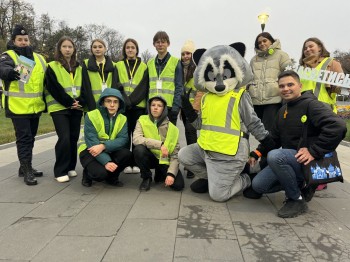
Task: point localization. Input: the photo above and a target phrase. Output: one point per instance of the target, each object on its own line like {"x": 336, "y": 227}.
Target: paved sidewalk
{"x": 68, "y": 222}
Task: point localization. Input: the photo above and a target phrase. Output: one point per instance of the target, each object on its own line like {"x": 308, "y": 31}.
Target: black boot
{"x": 145, "y": 184}
{"x": 189, "y": 174}
{"x": 86, "y": 181}
{"x": 28, "y": 174}
{"x": 200, "y": 186}
{"x": 36, "y": 173}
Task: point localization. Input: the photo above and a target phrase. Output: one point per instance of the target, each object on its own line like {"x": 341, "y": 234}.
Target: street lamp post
{"x": 263, "y": 20}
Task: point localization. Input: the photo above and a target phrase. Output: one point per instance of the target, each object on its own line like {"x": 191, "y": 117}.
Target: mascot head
{"x": 221, "y": 69}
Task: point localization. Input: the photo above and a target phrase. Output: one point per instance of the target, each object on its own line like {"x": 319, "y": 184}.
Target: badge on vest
{"x": 104, "y": 86}
{"x": 74, "y": 91}
{"x": 159, "y": 84}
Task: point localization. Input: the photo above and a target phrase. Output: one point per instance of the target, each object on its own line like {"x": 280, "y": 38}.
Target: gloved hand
{"x": 173, "y": 116}
{"x": 187, "y": 108}
{"x": 13, "y": 75}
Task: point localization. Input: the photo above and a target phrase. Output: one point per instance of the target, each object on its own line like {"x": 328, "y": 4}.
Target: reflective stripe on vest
{"x": 150, "y": 130}
{"x": 124, "y": 79}
{"x": 319, "y": 89}
{"x": 220, "y": 131}
{"x": 64, "y": 79}
{"x": 99, "y": 125}
{"x": 27, "y": 98}
{"x": 167, "y": 77}
{"x": 96, "y": 82}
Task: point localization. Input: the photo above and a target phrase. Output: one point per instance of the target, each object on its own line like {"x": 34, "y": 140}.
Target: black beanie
{"x": 18, "y": 30}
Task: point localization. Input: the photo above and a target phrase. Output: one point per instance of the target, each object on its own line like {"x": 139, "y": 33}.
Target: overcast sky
{"x": 211, "y": 22}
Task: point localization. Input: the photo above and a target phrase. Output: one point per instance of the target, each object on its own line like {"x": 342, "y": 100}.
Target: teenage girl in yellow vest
{"x": 133, "y": 76}
{"x": 98, "y": 73}
{"x": 64, "y": 103}
{"x": 156, "y": 142}
{"x": 315, "y": 55}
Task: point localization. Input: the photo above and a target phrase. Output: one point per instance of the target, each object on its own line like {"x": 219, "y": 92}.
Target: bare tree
{"x": 344, "y": 59}
{"x": 146, "y": 56}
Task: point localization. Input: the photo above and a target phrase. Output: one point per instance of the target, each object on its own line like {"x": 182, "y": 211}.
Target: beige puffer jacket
{"x": 266, "y": 67}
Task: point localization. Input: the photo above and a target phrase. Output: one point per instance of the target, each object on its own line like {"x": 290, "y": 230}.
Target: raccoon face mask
{"x": 221, "y": 69}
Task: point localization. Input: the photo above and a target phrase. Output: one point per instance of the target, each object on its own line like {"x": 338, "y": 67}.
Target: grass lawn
{"x": 7, "y": 133}
{"x": 347, "y": 137}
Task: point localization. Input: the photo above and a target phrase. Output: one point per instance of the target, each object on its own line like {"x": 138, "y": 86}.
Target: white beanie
{"x": 188, "y": 47}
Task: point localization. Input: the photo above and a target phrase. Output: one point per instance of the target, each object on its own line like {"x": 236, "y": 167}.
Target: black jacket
{"x": 325, "y": 130}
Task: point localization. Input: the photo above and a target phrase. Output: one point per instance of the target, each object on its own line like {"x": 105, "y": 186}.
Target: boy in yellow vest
{"x": 156, "y": 142}
{"x": 165, "y": 76}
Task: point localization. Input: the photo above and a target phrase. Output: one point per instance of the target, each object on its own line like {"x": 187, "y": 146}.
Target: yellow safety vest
{"x": 167, "y": 76}
{"x": 190, "y": 85}
{"x": 221, "y": 127}
{"x": 99, "y": 125}
{"x": 26, "y": 98}
{"x": 319, "y": 89}
{"x": 96, "y": 82}
{"x": 150, "y": 130}
{"x": 129, "y": 87}
{"x": 66, "y": 81}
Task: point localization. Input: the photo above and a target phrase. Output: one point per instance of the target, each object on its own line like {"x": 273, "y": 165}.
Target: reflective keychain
{"x": 74, "y": 91}
{"x": 104, "y": 86}
{"x": 159, "y": 84}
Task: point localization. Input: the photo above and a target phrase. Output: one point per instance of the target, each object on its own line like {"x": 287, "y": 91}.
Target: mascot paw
{"x": 200, "y": 186}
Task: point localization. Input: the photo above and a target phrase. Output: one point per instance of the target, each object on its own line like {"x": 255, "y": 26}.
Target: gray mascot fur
{"x": 227, "y": 117}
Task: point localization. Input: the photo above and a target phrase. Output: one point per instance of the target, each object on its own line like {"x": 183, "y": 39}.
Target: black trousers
{"x": 267, "y": 114}
{"x": 97, "y": 171}
{"x": 146, "y": 161}
{"x": 67, "y": 125}
{"x": 190, "y": 131}
{"x": 25, "y": 131}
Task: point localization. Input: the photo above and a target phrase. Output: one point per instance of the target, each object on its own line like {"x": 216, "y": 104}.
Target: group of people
{"x": 130, "y": 110}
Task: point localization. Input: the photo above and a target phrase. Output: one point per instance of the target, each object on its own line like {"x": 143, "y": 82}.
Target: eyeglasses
{"x": 110, "y": 102}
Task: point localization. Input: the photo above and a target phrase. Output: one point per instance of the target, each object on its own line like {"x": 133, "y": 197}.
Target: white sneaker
{"x": 72, "y": 173}
{"x": 128, "y": 170}
{"x": 62, "y": 179}
{"x": 136, "y": 169}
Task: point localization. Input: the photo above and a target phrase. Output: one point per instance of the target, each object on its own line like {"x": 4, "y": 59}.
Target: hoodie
{"x": 163, "y": 124}
{"x": 91, "y": 134}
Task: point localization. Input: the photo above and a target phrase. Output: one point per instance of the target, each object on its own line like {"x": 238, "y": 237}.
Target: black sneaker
{"x": 292, "y": 208}
{"x": 145, "y": 184}
{"x": 86, "y": 180}
{"x": 251, "y": 193}
{"x": 114, "y": 181}
{"x": 308, "y": 192}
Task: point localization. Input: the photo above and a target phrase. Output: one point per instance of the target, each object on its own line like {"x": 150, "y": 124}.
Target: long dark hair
{"x": 324, "y": 52}
{"x": 60, "y": 58}
{"x": 266, "y": 35}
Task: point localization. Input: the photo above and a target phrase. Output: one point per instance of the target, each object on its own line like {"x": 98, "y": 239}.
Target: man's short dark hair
{"x": 290, "y": 73}
{"x": 161, "y": 35}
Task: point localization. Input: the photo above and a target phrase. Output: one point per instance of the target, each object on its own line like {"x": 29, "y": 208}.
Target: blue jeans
{"x": 282, "y": 173}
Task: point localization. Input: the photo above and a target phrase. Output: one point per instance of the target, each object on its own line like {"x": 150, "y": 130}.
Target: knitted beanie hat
{"x": 18, "y": 30}
{"x": 188, "y": 47}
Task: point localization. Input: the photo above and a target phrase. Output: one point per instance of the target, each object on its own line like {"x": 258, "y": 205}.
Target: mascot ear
{"x": 240, "y": 47}
{"x": 198, "y": 54}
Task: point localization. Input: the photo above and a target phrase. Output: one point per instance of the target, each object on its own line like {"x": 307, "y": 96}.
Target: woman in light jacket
{"x": 267, "y": 64}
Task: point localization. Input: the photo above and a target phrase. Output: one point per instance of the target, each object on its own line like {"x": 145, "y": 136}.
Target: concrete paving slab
{"x": 74, "y": 248}
{"x": 339, "y": 208}
{"x": 328, "y": 252}
{"x": 25, "y": 238}
{"x": 98, "y": 220}
{"x": 11, "y": 212}
{"x": 270, "y": 242}
{"x": 157, "y": 205}
{"x": 205, "y": 222}
{"x": 116, "y": 196}
{"x": 207, "y": 250}
{"x": 252, "y": 210}
{"x": 14, "y": 190}
{"x": 144, "y": 240}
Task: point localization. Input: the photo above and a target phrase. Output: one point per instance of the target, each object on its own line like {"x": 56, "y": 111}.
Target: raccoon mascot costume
{"x": 226, "y": 119}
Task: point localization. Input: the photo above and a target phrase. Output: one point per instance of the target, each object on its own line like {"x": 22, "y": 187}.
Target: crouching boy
{"x": 156, "y": 142}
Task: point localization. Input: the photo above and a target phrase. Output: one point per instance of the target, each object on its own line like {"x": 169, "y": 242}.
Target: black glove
{"x": 173, "y": 116}
{"x": 13, "y": 75}
{"x": 187, "y": 107}
{"x": 267, "y": 143}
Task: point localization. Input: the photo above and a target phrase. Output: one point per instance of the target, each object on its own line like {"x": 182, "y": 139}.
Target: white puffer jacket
{"x": 266, "y": 66}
